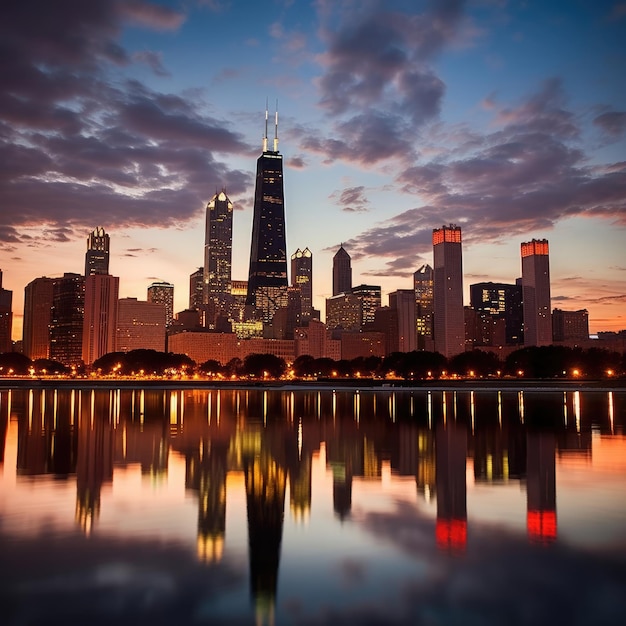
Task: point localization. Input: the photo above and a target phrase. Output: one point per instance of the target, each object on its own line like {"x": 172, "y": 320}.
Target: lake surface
{"x": 122, "y": 506}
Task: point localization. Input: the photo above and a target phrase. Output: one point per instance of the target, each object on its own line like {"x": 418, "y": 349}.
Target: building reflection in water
{"x": 272, "y": 437}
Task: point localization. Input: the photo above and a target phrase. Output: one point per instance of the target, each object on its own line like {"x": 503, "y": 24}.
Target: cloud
{"x": 613, "y": 123}
{"x": 524, "y": 176}
{"x": 352, "y": 199}
{"x": 74, "y": 145}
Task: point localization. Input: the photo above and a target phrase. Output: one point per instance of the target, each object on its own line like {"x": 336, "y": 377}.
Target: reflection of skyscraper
{"x": 423, "y": 284}
{"x": 541, "y": 486}
{"x": 451, "y": 450}
{"x": 163, "y": 293}
{"x": 302, "y": 278}
{"x": 66, "y": 325}
{"x": 449, "y": 330}
{"x": 342, "y": 272}
{"x": 97, "y": 256}
{"x": 536, "y": 293}
{"x": 267, "y": 279}
{"x": 218, "y": 245}
{"x": 6, "y": 318}
{"x": 37, "y": 316}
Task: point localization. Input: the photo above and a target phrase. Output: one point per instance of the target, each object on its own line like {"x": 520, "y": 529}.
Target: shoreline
{"x": 321, "y": 385}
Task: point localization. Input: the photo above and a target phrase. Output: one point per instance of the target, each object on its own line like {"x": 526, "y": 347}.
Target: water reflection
{"x": 444, "y": 442}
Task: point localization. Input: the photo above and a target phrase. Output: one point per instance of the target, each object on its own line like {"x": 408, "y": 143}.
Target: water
{"x": 152, "y": 506}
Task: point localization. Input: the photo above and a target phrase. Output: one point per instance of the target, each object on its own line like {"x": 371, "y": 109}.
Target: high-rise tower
{"x": 67, "y": 318}
{"x": 342, "y": 272}
{"x": 218, "y": 246}
{"x": 38, "y": 296}
{"x": 267, "y": 279}
{"x": 423, "y": 285}
{"x": 536, "y": 293}
{"x": 6, "y": 318}
{"x": 302, "y": 278}
{"x": 449, "y": 324}
{"x": 163, "y": 293}
{"x": 97, "y": 256}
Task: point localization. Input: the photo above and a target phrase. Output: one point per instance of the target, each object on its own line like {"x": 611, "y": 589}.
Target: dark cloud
{"x": 75, "y": 146}
{"x": 352, "y": 199}
{"x": 613, "y": 123}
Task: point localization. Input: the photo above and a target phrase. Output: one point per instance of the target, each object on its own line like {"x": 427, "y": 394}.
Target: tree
{"x": 480, "y": 362}
{"x": 304, "y": 366}
{"x": 14, "y": 363}
{"x": 257, "y": 364}
{"x": 49, "y": 366}
{"x": 211, "y": 367}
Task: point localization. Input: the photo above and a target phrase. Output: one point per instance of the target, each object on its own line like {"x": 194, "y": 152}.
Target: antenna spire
{"x": 276, "y": 128}
{"x": 265, "y": 135}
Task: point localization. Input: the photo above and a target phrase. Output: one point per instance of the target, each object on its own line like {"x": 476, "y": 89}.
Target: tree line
{"x": 532, "y": 362}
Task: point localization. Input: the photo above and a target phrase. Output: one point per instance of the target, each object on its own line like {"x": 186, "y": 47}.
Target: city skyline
{"x": 396, "y": 118}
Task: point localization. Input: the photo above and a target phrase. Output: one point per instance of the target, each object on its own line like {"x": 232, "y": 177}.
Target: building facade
{"x": 570, "y": 325}
{"x": 100, "y": 325}
{"x": 163, "y": 293}
{"x": 218, "y": 248}
{"x": 344, "y": 312}
{"x": 140, "y": 325}
{"x": 449, "y": 322}
{"x": 342, "y": 272}
{"x": 6, "y": 318}
{"x": 67, "y": 319}
{"x": 501, "y": 300}
{"x": 536, "y": 293}
{"x": 423, "y": 282}
{"x": 403, "y": 301}
{"x": 267, "y": 277}
{"x": 196, "y": 290}
{"x": 38, "y": 301}
{"x": 302, "y": 278}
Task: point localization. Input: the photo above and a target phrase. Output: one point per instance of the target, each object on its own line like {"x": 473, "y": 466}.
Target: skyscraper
{"x": 6, "y": 318}
{"x": 218, "y": 245}
{"x": 196, "y": 289}
{"x": 100, "y": 325}
{"x": 403, "y": 301}
{"x": 342, "y": 272}
{"x": 267, "y": 278}
{"x": 536, "y": 293}
{"x": 97, "y": 257}
{"x": 38, "y": 297}
{"x": 163, "y": 293}
{"x": 302, "y": 278}
{"x": 500, "y": 300}
{"x": 140, "y": 325}
{"x": 370, "y": 297}
{"x": 449, "y": 324}
{"x": 67, "y": 318}
{"x": 423, "y": 284}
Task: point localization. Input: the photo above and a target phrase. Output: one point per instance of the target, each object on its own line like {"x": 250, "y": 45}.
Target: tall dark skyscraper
{"x": 196, "y": 289}
{"x": 342, "y": 272}
{"x": 267, "y": 279}
{"x": 66, "y": 325}
{"x": 218, "y": 246}
{"x": 536, "y": 293}
{"x": 423, "y": 284}
{"x": 302, "y": 278}
{"x": 6, "y": 318}
{"x": 449, "y": 324}
{"x": 38, "y": 296}
{"x": 97, "y": 256}
{"x": 163, "y": 293}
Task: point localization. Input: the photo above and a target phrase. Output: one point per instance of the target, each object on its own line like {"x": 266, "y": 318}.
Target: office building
{"x": 403, "y": 301}
{"x": 342, "y": 272}
{"x": 38, "y": 300}
{"x": 344, "y": 312}
{"x": 67, "y": 319}
{"x": 196, "y": 290}
{"x": 302, "y": 278}
{"x": 97, "y": 256}
{"x": 100, "y": 325}
{"x": 424, "y": 307}
{"x": 370, "y": 297}
{"x": 140, "y": 325}
{"x": 267, "y": 279}
{"x": 6, "y": 318}
{"x": 449, "y": 323}
{"x": 570, "y": 326}
{"x": 163, "y": 293}
{"x": 536, "y": 293}
{"x": 218, "y": 246}
{"x": 386, "y": 322}
{"x": 500, "y": 301}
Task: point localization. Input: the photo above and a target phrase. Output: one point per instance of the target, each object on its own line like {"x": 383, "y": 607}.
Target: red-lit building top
{"x": 447, "y": 234}
{"x": 536, "y": 246}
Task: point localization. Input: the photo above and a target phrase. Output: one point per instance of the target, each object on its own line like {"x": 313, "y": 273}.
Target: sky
{"x": 505, "y": 117}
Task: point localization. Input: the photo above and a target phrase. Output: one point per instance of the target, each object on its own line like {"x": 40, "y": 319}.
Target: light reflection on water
{"x": 230, "y": 506}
